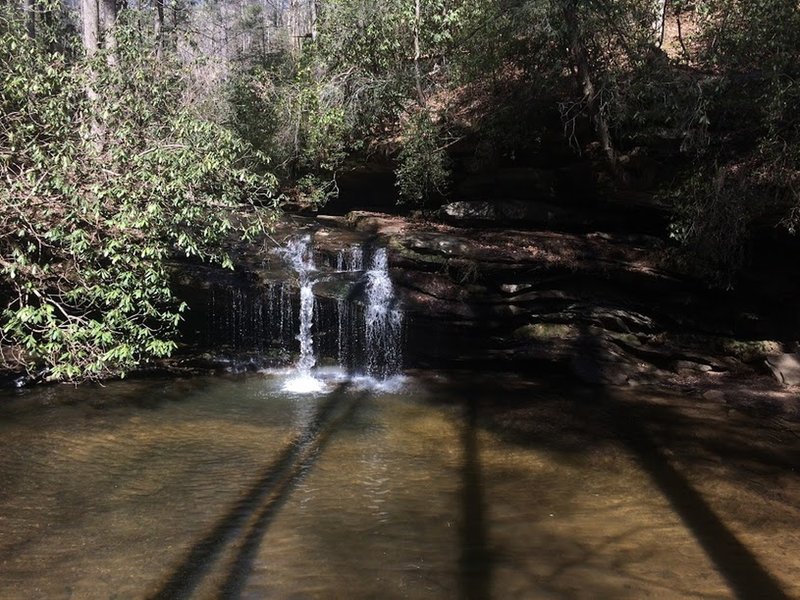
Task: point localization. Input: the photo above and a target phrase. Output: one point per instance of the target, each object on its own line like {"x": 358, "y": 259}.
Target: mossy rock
{"x": 547, "y": 331}
{"x": 630, "y": 339}
{"x": 751, "y": 351}
{"x": 746, "y": 351}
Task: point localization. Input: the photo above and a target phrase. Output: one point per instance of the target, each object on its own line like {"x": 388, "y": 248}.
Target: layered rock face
{"x": 516, "y": 270}
{"x": 602, "y": 305}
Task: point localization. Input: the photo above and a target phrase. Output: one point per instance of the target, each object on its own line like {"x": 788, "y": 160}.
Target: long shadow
{"x": 198, "y": 561}
{"x": 734, "y": 561}
{"x": 475, "y": 560}
{"x": 242, "y": 565}
{"x": 746, "y": 577}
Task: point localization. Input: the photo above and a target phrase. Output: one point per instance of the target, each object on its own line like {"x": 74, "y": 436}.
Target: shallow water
{"x": 454, "y": 487}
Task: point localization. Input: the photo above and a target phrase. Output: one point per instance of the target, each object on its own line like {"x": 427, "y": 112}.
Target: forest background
{"x": 135, "y": 132}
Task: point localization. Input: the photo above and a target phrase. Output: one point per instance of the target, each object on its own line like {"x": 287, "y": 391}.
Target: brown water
{"x": 457, "y": 487}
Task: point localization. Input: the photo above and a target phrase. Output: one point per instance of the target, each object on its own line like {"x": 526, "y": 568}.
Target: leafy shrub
{"x": 712, "y": 222}
{"x": 296, "y": 115}
{"x": 99, "y": 194}
{"x": 423, "y": 169}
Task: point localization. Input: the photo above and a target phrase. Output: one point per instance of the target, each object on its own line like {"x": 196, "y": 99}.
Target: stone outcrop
{"x": 516, "y": 212}
{"x": 785, "y": 368}
{"x": 603, "y": 305}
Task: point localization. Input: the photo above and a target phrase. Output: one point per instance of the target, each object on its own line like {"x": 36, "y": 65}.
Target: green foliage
{"x": 370, "y": 36}
{"x": 749, "y": 96}
{"x": 749, "y": 35}
{"x": 355, "y": 90}
{"x": 102, "y": 188}
{"x": 296, "y": 116}
{"x": 711, "y": 224}
{"x": 316, "y": 113}
{"x": 423, "y": 164}
{"x": 502, "y": 72}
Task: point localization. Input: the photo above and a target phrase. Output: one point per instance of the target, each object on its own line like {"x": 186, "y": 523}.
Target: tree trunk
{"x": 30, "y": 18}
{"x": 90, "y": 15}
{"x": 660, "y": 21}
{"x": 108, "y": 21}
{"x": 313, "y": 18}
{"x": 295, "y": 43}
{"x": 417, "y": 76}
{"x": 158, "y": 28}
{"x": 90, "y": 18}
{"x": 580, "y": 61}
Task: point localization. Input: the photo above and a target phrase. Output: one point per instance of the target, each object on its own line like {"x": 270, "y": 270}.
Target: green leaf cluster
{"x": 107, "y": 176}
{"x": 423, "y": 165}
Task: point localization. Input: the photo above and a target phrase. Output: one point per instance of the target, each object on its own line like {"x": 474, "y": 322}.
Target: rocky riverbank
{"x": 603, "y": 306}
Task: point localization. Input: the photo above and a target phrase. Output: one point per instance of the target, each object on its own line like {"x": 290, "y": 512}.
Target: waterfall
{"x": 350, "y": 259}
{"x": 343, "y": 320}
{"x": 353, "y": 319}
{"x": 300, "y": 257}
{"x": 383, "y": 322}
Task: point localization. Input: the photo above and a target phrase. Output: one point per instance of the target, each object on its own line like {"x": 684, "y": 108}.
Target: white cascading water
{"x": 383, "y": 321}
{"x": 368, "y": 341}
{"x": 350, "y": 259}
{"x": 300, "y": 257}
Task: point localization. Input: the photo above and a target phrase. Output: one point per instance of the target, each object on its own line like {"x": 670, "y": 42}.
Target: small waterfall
{"x": 343, "y": 320}
{"x": 350, "y": 260}
{"x": 384, "y": 322}
{"x": 354, "y": 319}
{"x": 300, "y": 257}
{"x": 285, "y": 307}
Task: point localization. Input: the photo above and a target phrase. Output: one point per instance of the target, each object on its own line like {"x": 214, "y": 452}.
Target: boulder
{"x": 595, "y": 371}
{"x": 785, "y": 368}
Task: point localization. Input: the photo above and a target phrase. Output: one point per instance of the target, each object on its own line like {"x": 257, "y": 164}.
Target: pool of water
{"x": 452, "y": 486}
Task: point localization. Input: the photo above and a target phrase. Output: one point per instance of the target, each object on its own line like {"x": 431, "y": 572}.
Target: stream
{"x": 457, "y": 485}
{"x": 340, "y": 475}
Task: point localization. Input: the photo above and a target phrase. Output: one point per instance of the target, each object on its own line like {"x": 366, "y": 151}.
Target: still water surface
{"x": 454, "y": 487}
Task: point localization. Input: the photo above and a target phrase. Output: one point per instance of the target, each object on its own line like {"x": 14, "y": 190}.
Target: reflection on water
{"x": 460, "y": 488}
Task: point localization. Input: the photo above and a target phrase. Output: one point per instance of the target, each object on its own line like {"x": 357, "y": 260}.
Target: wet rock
{"x": 372, "y": 222}
{"x": 548, "y": 331}
{"x": 514, "y": 288}
{"x": 623, "y": 321}
{"x": 590, "y": 369}
{"x": 435, "y": 293}
{"x": 750, "y": 351}
{"x": 714, "y": 395}
{"x": 785, "y": 368}
{"x": 511, "y": 212}
{"x": 599, "y": 301}
{"x": 688, "y": 365}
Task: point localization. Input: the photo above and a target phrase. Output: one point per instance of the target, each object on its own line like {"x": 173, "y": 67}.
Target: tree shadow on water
{"x": 734, "y": 561}
{"x": 244, "y": 525}
{"x": 475, "y": 559}
{"x": 548, "y": 411}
